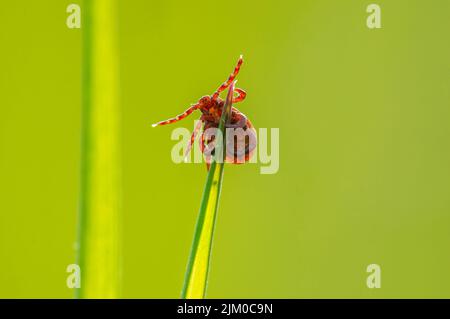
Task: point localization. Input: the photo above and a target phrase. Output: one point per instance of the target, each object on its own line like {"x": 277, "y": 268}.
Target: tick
{"x": 241, "y": 144}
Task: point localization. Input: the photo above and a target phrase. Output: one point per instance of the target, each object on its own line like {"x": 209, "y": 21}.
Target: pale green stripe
{"x": 99, "y": 231}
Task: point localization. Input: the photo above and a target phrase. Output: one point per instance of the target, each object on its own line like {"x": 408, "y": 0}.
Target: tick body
{"x": 242, "y": 142}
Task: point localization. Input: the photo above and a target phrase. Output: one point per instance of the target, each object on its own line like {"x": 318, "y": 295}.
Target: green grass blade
{"x": 198, "y": 264}
{"x": 99, "y": 235}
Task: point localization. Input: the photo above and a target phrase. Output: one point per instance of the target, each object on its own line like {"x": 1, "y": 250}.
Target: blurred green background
{"x": 364, "y": 124}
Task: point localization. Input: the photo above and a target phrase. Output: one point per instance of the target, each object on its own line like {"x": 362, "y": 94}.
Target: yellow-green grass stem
{"x": 196, "y": 277}
{"x": 99, "y": 209}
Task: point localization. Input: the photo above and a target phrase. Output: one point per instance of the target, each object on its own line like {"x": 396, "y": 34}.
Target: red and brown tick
{"x": 211, "y": 106}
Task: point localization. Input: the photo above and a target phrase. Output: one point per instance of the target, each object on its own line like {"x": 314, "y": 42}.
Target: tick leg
{"x": 178, "y": 117}
{"x": 241, "y": 95}
{"x": 193, "y": 136}
{"x": 229, "y": 80}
